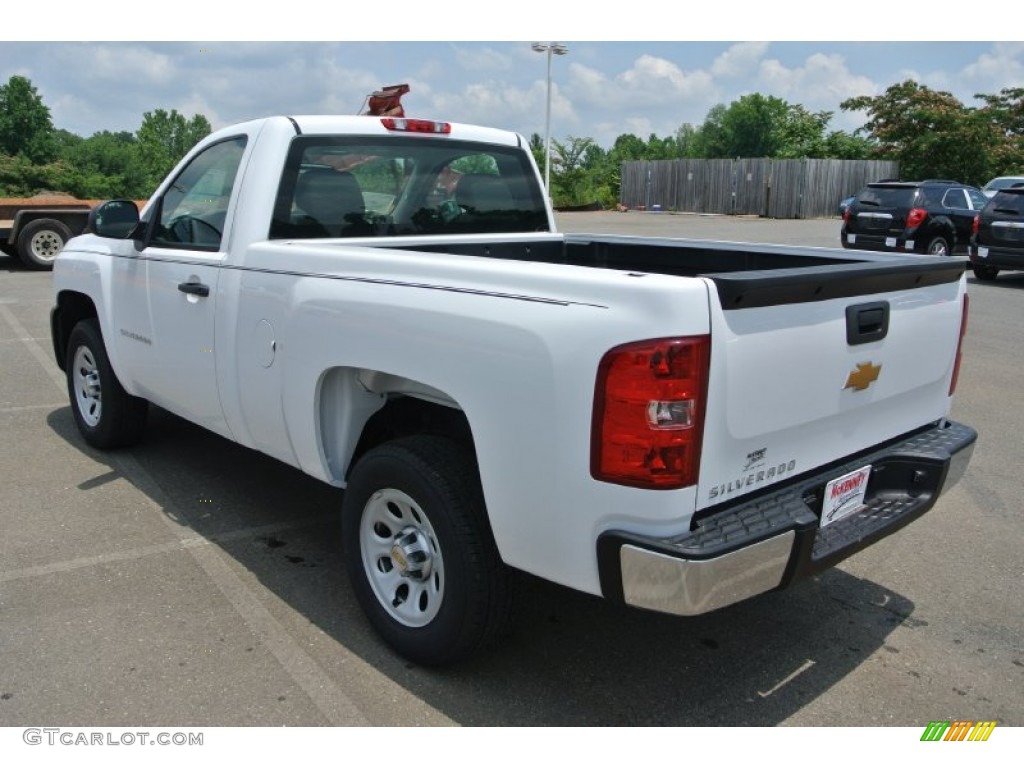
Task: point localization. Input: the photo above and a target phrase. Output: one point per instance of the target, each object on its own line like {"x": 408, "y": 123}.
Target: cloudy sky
{"x": 605, "y": 86}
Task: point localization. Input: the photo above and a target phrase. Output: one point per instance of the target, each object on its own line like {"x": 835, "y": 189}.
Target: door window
{"x": 194, "y": 208}
{"x": 955, "y": 198}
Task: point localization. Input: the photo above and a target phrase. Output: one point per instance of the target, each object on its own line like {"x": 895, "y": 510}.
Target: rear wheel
{"x": 938, "y": 246}
{"x": 40, "y": 242}
{"x": 420, "y": 554}
{"x": 106, "y": 415}
{"x": 983, "y": 272}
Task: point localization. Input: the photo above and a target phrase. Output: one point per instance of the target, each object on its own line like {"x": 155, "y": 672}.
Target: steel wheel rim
{"x": 46, "y": 245}
{"x": 86, "y": 380}
{"x": 939, "y": 248}
{"x": 394, "y": 528}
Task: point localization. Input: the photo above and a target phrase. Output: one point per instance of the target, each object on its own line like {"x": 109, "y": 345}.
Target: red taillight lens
{"x": 959, "y": 346}
{"x": 846, "y": 214}
{"x": 976, "y": 225}
{"x": 915, "y": 217}
{"x": 649, "y": 413}
{"x": 411, "y": 125}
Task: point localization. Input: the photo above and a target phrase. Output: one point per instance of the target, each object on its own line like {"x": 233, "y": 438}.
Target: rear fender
{"x": 347, "y": 400}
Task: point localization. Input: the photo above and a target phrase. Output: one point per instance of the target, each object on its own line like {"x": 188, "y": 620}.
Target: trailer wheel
{"x": 40, "y": 242}
{"x": 420, "y": 553}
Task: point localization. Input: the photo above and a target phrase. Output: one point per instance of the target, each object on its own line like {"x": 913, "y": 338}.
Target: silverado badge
{"x": 863, "y": 377}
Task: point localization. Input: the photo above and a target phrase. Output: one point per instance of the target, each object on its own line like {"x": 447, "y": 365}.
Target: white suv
{"x": 1001, "y": 182}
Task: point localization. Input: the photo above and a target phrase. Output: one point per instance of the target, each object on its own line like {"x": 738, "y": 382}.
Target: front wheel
{"x": 106, "y": 415}
{"x": 420, "y": 553}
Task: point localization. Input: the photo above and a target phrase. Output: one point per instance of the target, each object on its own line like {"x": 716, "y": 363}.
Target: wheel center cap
{"x": 410, "y": 553}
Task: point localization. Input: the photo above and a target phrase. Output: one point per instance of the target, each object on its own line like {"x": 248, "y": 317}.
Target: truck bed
{"x": 745, "y": 274}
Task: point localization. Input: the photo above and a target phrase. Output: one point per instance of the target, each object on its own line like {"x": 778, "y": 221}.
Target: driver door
{"x": 184, "y": 255}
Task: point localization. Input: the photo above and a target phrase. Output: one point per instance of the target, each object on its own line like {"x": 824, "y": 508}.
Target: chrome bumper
{"x": 773, "y": 540}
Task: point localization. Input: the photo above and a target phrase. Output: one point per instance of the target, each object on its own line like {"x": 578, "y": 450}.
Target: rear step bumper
{"x": 773, "y": 540}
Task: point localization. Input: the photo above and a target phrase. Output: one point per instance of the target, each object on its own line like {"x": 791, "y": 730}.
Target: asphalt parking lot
{"x": 193, "y": 582}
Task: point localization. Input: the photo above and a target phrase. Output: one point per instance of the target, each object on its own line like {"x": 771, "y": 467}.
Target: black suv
{"x": 998, "y": 241}
{"x": 931, "y": 216}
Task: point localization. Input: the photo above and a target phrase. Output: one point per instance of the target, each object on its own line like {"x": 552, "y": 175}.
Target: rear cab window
{"x": 371, "y": 186}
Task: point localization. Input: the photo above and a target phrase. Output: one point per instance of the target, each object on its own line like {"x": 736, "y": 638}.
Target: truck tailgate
{"x": 803, "y": 375}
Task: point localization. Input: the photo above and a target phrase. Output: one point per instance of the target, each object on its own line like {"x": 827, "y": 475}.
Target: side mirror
{"x": 114, "y": 218}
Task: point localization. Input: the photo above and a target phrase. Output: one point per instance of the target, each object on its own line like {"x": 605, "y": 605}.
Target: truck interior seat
{"x": 333, "y": 200}
{"x": 483, "y": 193}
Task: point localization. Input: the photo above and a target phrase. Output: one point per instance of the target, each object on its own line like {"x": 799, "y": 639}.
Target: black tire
{"x": 106, "y": 415}
{"x": 418, "y": 500}
{"x": 40, "y": 242}
{"x": 938, "y": 246}
{"x": 984, "y": 272}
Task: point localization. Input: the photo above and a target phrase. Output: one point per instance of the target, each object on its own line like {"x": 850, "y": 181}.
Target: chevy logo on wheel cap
{"x": 863, "y": 377}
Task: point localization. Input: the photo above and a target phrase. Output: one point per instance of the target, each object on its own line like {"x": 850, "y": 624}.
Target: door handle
{"x": 195, "y": 288}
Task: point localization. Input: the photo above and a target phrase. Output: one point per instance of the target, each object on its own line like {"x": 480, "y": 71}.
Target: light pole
{"x": 559, "y": 50}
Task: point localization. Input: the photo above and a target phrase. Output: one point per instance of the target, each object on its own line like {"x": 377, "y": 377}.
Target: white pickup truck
{"x": 385, "y": 304}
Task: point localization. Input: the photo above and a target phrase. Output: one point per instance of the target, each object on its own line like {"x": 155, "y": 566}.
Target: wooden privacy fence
{"x": 777, "y": 189}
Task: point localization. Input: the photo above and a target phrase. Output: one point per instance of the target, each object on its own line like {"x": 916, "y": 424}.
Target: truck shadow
{"x": 573, "y": 659}
{"x": 10, "y": 263}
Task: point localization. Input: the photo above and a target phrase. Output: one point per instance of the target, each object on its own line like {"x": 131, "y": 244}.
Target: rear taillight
{"x": 649, "y": 413}
{"x": 846, "y": 214}
{"x": 915, "y": 217}
{"x": 413, "y": 125}
{"x": 976, "y": 225}
{"x": 959, "y": 346}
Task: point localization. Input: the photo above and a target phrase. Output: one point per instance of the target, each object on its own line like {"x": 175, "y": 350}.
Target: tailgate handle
{"x": 867, "y": 322}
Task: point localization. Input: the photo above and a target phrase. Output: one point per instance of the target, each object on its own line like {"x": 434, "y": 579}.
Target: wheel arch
{"x": 75, "y": 219}
{"x": 72, "y": 307}
{"x": 359, "y": 409}
{"x": 944, "y": 227}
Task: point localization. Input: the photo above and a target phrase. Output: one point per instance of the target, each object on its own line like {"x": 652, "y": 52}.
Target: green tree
{"x": 1004, "y": 112}
{"x": 931, "y": 133}
{"x": 164, "y": 138}
{"x": 537, "y": 149}
{"x": 801, "y": 133}
{"x": 842, "y": 145}
{"x": 20, "y": 177}
{"x": 689, "y": 141}
{"x": 628, "y": 146}
{"x": 750, "y": 126}
{"x": 25, "y": 125}
{"x": 106, "y": 165}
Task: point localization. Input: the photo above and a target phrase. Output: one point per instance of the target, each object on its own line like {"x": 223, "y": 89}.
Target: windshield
{"x": 1004, "y": 182}
{"x": 381, "y": 186}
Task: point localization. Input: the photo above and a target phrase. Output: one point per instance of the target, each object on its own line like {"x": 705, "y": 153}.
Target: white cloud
{"x": 821, "y": 82}
{"x": 1004, "y": 64}
{"x": 738, "y": 60}
{"x": 482, "y": 59}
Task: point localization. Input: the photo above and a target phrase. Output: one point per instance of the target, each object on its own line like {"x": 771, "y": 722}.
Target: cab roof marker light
{"x": 413, "y": 125}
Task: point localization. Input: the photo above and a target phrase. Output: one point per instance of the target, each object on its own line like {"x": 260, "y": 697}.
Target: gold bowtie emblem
{"x": 863, "y": 377}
